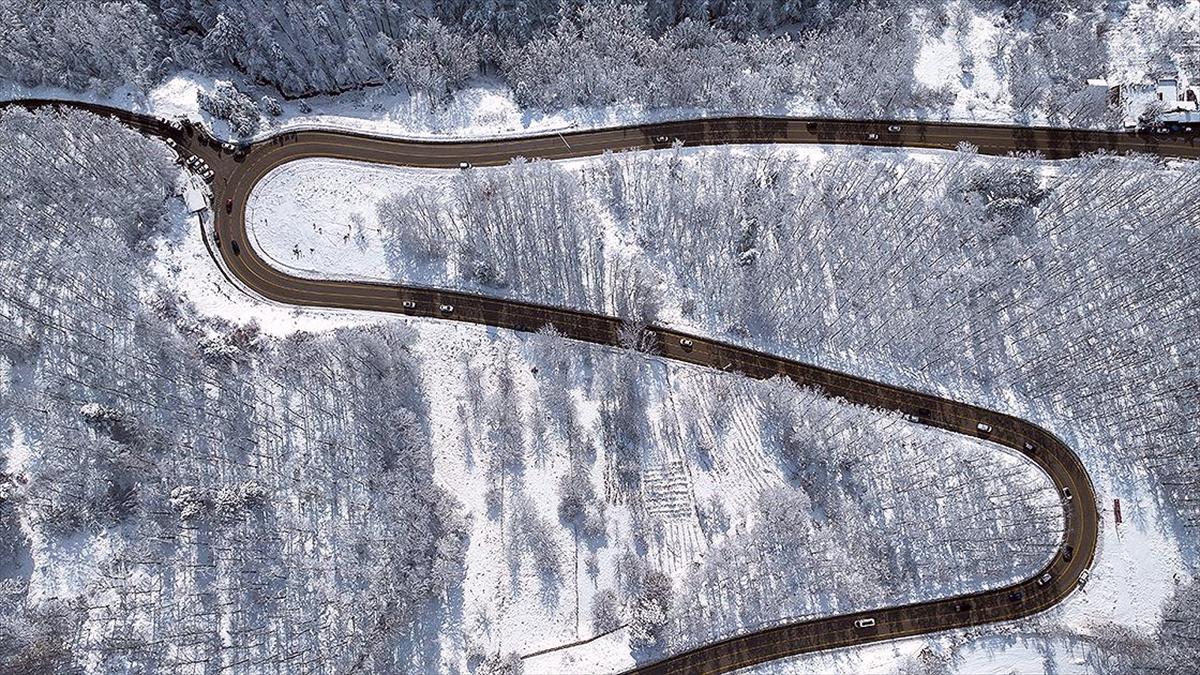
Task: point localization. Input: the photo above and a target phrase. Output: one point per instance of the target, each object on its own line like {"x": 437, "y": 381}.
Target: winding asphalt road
{"x": 238, "y": 171}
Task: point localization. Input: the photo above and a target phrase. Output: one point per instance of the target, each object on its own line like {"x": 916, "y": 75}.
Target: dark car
{"x": 229, "y": 205}
{"x": 962, "y": 606}
{"x": 237, "y": 250}
{"x": 1068, "y": 552}
{"x": 1015, "y": 596}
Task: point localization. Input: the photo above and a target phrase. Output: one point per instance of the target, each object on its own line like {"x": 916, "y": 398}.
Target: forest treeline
{"x": 854, "y": 58}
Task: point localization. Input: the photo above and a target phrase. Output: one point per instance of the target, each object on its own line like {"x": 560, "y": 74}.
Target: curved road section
{"x": 239, "y": 169}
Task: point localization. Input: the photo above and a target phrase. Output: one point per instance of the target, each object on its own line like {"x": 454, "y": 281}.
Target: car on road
{"x": 962, "y": 606}
{"x": 895, "y": 128}
{"x": 872, "y": 137}
{"x": 464, "y": 165}
{"x": 1030, "y": 447}
{"x": 1068, "y": 552}
{"x": 207, "y": 175}
{"x": 911, "y": 418}
{"x": 1015, "y": 596}
{"x": 1066, "y": 493}
{"x": 229, "y": 205}
{"x": 864, "y": 623}
{"x": 409, "y": 304}
{"x": 983, "y": 427}
{"x": 237, "y": 250}
{"x": 230, "y": 147}
{"x": 446, "y": 308}
{"x": 686, "y": 343}
{"x": 1084, "y": 576}
{"x": 1044, "y": 579}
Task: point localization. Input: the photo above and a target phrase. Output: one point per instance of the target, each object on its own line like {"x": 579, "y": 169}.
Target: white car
{"x": 912, "y": 418}
{"x": 872, "y": 137}
{"x": 464, "y": 165}
{"x": 1030, "y": 447}
{"x": 865, "y": 623}
{"x": 1083, "y": 577}
{"x": 447, "y": 308}
{"x": 895, "y": 128}
{"x": 409, "y": 304}
{"x": 1044, "y": 579}
{"x": 984, "y": 428}
{"x": 207, "y": 175}
{"x": 686, "y": 343}
{"x": 1066, "y": 493}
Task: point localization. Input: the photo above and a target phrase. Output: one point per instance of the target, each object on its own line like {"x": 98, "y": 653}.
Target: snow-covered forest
{"x": 179, "y": 497}
{"x": 1057, "y": 291}
{"x": 893, "y": 57}
{"x": 185, "y": 489}
{"x": 185, "y": 493}
{"x": 1065, "y": 291}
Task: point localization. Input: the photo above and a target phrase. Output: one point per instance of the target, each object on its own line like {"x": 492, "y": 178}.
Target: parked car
{"x": 1084, "y": 576}
{"x": 464, "y": 165}
{"x": 1066, "y": 493}
{"x": 865, "y": 623}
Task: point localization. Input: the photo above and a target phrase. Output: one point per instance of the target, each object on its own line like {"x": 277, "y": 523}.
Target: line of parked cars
{"x": 201, "y": 167}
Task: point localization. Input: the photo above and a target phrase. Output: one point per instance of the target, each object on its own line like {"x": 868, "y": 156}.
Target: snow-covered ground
{"x": 318, "y": 217}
